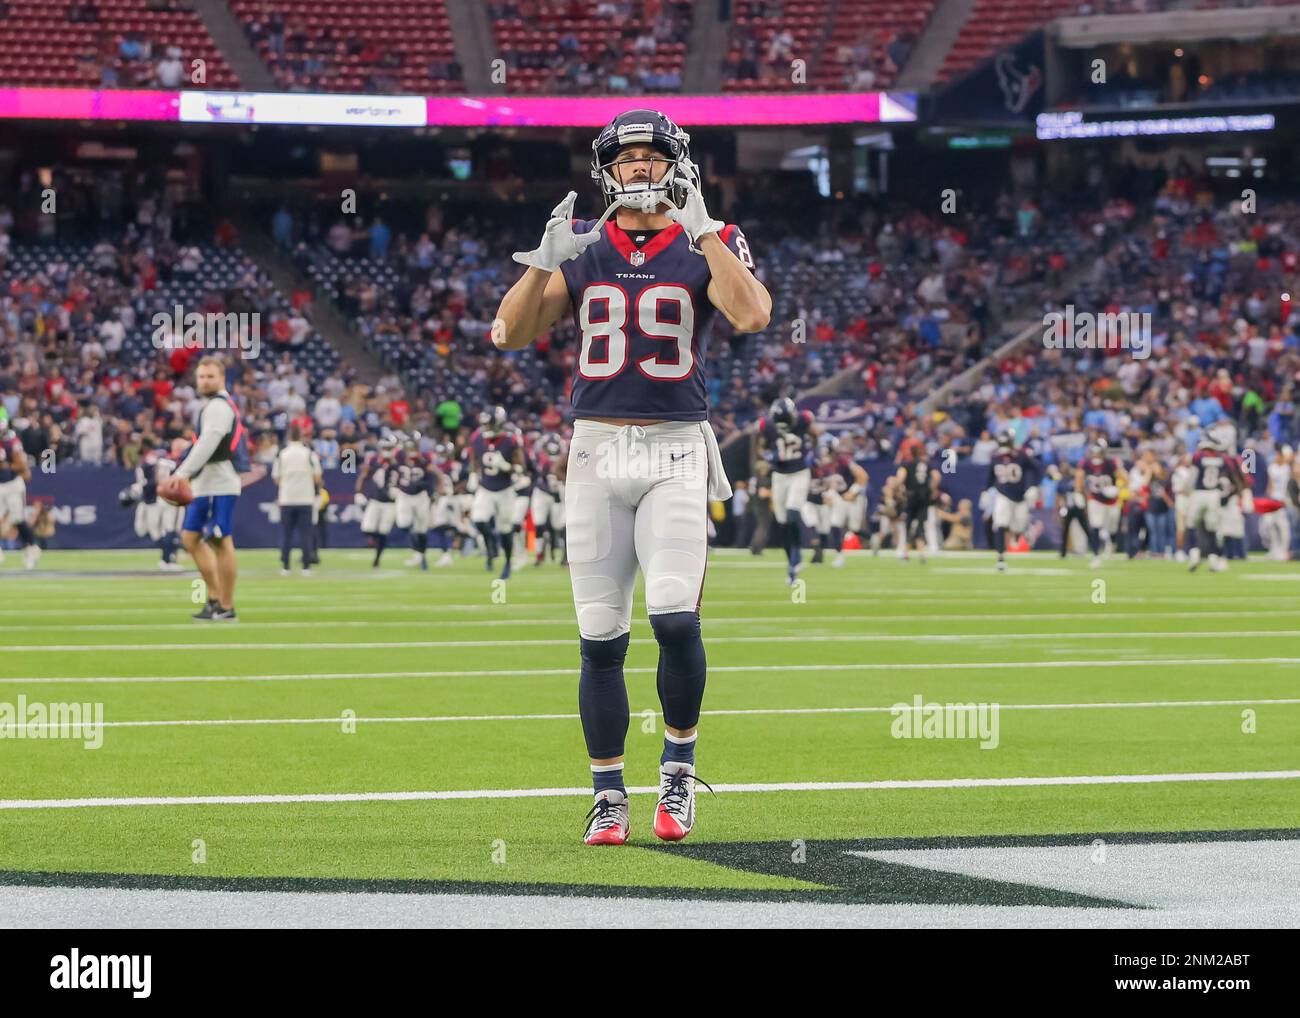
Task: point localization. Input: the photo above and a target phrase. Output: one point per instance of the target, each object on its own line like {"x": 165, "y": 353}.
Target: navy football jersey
{"x": 792, "y": 444}
{"x": 413, "y": 474}
{"x": 1216, "y": 471}
{"x": 1098, "y": 475}
{"x": 495, "y": 456}
{"x": 643, "y": 315}
{"x": 1013, "y": 473}
{"x": 154, "y": 468}
{"x": 376, "y": 477}
{"x": 10, "y": 449}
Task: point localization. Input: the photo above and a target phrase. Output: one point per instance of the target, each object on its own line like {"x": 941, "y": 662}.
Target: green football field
{"x": 388, "y": 729}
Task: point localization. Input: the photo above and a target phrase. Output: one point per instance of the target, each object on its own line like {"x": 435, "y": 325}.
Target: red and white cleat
{"x": 607, "y": 822}
{"x": 675, "y": 812}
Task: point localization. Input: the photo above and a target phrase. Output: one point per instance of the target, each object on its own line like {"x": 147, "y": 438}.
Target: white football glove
{"x": 559, "y": 243}
{"x": 471, "y": 483}
{"x": 360, "y": 501}
{"x": 694, "y": 217}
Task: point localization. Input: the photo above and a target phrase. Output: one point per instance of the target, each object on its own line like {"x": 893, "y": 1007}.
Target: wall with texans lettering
{"x": 87, "y": 513}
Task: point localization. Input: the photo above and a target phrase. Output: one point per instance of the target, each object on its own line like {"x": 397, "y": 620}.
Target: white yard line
{"x": 738, "y": 712}
{"x": 790, "y": 617}
{"x": 794, "y": 669}
{"x": 202, "y": 647}
{"x": 548, "y": 793}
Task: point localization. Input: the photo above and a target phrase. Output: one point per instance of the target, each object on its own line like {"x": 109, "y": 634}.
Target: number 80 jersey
{"x": 643, "y": 317}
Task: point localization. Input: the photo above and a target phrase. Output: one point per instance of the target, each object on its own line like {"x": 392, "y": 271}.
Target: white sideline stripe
{"x": 551, "y": 793}
{"x": 737, "y": 712}
{"x": 713, "y": 669}
{"x": 356, "y": 607}
{"x": 200, "y": 647}
{"x": 709, "y": 620}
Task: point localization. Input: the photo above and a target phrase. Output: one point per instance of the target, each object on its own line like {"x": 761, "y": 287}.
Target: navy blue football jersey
{"x": 496, "y": 456}
{"x": 413, "y": 474}
{"x": 10, "y": 450}
{"x": 1216, "y": 471}
{"x": 1013, "y": 473}
{"x": 1098, "y": 475}
{"x": 643, "y": 315}
{"x": 376, "y": 477}
{"x": 792, "y": 445}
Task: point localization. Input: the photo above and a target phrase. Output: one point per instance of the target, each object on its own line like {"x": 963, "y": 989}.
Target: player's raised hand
{"x": 693, "y": 215}
{"x": 559, "y": 243}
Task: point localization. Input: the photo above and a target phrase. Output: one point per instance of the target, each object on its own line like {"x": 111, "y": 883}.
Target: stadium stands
{"x": 108, "y": 44}
{"x": 388, "y": 46}
{"x": 612, "y": 46}
{"x": 856, "y": 44}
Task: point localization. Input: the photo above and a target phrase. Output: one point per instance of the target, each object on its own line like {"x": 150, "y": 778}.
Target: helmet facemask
{"x": 671, "y": 146}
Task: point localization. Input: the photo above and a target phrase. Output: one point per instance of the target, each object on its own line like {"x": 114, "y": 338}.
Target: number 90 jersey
{"x": 643, "y": 317}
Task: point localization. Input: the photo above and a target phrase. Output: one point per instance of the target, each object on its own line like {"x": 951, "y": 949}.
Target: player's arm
{"x": 529, "y": 308}
{"x": 275, "y": 467}
{"x": 317, "y": 474}
{"x": 734, "y": 289}
{"x": 860, "y": 480}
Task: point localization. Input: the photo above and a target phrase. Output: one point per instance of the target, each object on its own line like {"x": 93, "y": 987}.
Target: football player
{"x": 917, "y": 479}
{"x": 841, "y": 481}
{"x": 1099, "y": 477}
{"x": 413, "y": 504}
{"x": 445, "y": 516}
{"x": 1182, "y": 482}
{"x": 213, "y": 464}
{"x": 787, "y": 437}
{"x": 15, "y": 473}
{"x": 155, "y": 519}
{"x": 642, "y": 283}
{"x": 1219, "y": 479}
{"x": 375, "y": 495}
{"x": 496, "y": 466}
{"x": 1014, "y": 475}
{"x": 548, "y": 497}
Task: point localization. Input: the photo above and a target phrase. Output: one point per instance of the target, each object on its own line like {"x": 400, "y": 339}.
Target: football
{"x": 176, "y": 491}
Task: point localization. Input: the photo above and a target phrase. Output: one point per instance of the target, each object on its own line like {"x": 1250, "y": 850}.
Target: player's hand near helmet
{"x": 559, "y": 243}
{"x": 693, "y": 215}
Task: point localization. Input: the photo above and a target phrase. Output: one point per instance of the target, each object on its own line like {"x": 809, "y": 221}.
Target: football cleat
{"x": 838, "y": 561}
{"x": 205, "y": 613}
{"x": 1194, "y": 557}
{"x": 675, "y": 811}
{"x": 225, "y": 614}
{"x": 505, "y": 571}
{"x": 607, "y": 820}
{"x": 446, "y": 560}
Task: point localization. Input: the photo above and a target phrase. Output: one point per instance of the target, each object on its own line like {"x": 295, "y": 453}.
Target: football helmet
{"x": 643, "y": 127}
{"x": 1007, "y": 440}
{"x": 783, "y": 411}
{"x": 553, "y": 446}
{"x": 1098, "y": 449}
{"x": 492, "y": 422}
